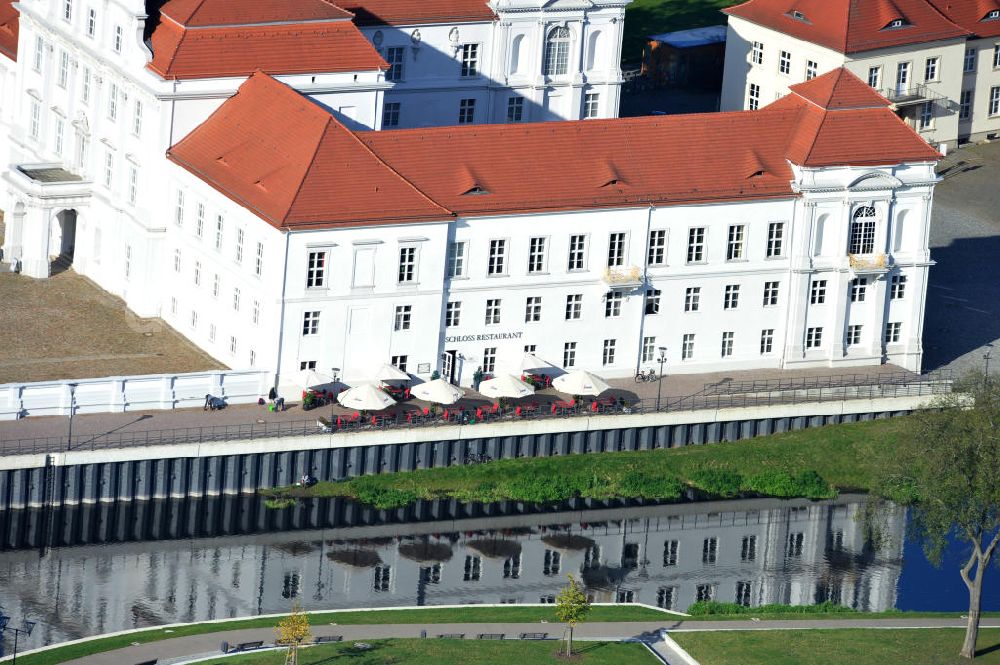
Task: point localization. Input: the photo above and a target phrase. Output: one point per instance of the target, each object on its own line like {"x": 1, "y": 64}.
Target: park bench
{"x": 490, "y": 636}
{"x": 249, "y": 646}
{"x": 323, "y": 639}
{"x": 452, "y": 636}
{"x": 534, "y": 636}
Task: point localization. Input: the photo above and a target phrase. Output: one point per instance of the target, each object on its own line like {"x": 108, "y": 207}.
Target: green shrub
{"x": 712, "y": 607}
{"x": 718, "y": 482}
{"x": 368, "y": 489}
{"x": 640, "y": 484}
{"x": 534, "y": 488}
{"x": 278, "y": 503}
{"x": 807, "y": 484}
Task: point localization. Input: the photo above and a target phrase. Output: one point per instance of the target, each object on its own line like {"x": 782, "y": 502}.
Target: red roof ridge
{"x": 839, "y": 90}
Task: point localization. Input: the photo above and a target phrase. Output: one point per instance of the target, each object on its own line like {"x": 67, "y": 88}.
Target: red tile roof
{"x": 283, "y": 157}
{"x": 8, "y": 29}
{"x": 840, "y": 89}
{"x": 202, "y": 13}
{"x": 415, "y": 12}
{"x": 852, "y": 26}
{"x": 972, "y": 15}
{"x": 287, "y": 160}
{"x": 315, "y": 47}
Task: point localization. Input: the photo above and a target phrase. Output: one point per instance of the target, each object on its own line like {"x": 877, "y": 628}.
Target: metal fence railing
{"x": 721, "y": 395}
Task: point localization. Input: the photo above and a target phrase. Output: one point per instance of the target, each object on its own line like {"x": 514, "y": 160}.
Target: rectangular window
{"x": 109, "y": 169}
{"x": 766, "y": 341}
{"x": 613, "y": 304}
{"x": 133, "y": 183}
{"x": 652, "y": 301}
{"x": 197, "y": 273}
{"x": 473, "y": 568}
{"x": 853, "y": 335}
{"x": 316, "y": 270}
{"x": 215, "y": 285}
{"x": 757, "y": 53}
{"x": 616, "y": 249}
{"x": 734, "y": 247}
{"x": 577, "y": 250}
{"x": 236, "y": 299}
{"x": 965, "y": 104}
{"x": 533, "y": 309}
{"x": 179, "y": 208}
{"x": 258, "y": 265}
{"x": 307, "y": 364}
{"x": 137, "y": 118}
{"x": 862, "y": 237}
{"x": 969, "y": 63}
{"x": 399, "y": 362}
{"x": 608, "y": 357}
{"x": 859, "y": 289}
{"x": 812, "y": 69}
{"x": 394, "y": 56}
{"x": 255, "y": 312}
{"x": 775, "y": 239}
{"x": 996, "y": 56}
{"x": 456, "y": 259}
{"x": 875, "y": 77}
{"x": 731, "y": 300}
{"x": 785, "y": 62}
{"x": 67, "y": 10}
{"x": 591, "y": 105}
{"x": 551, "y": 563}
{"x": 497, "y": 264}
{"x": 117, "y": 43}
{"x": 753, "y": 98}
{"x": 515, "y": 109}
{"x": 770, "y": 294}
{"x": 35, "y": 124}
{"x": 240, "y": 236}
{"x": 310, "y": 323}
{"x": 232, "y": 345}
{"x": 748, "y": 548}
{"x": 85, "y": 86}
{"x": 390, "y": 114}
{"x": 58, "y": 132}
{"x": 648, "y": 349}
{"x": 696, "y": 244}
{"x": 113, "y": 102}
{"x": 382, "y": 579}
{"x": 569, "y": 354}
{"x": 403, "y": 313}
{"x": 452, "y": 314}
{"x": 63, "y": 69}
{"x": 995, "y": 100}
{"x": 670, "y": 550}
{"x": 91, "y": 22}
{"x": 795, "y": 541}
{"x": 407, "y": 265}
{"x": 470, "y": 60}
{"x": 466, "y": 111}
{"x": 574, "y": 306}
{"x": 687, "y": 346}
{"x": 177, "y": 260}
{"x": 492, "y": 311}
{"x": 704, "y": 592}
{"x": 926, "y": 119}
{"x": 892, "y": 332}
{"x": 666, "y": 597}
{"x": 743, "y": 590}
{"x": 489, "y": 359}
{"x": 727, "y": 344}
{"x": 709, "y": 550}
{"x": 817, "y": 292}
{"x": 814, "y": 338}
{"x": 931, "y": 69}
{"x": 199, "y": 225}
{"x": 657, "y": 254}
{"x": 897, "y": 288}
{"x": 39, "y": 53}
{"x": 220, "y": 222}
{"x": 692, "y": 299}
{"x": 536, "y": 255}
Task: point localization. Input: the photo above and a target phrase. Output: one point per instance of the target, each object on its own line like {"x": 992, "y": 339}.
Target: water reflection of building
{"x": 751, "y": 551}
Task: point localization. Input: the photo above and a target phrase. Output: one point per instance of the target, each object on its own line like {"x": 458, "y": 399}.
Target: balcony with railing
{"x": 909, "y": 95}
{"x": 625, "y": 277}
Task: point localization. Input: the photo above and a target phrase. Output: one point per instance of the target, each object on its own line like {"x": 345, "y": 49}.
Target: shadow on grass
{"x": 990, "y": 649}
{"x": 350, "y": 652}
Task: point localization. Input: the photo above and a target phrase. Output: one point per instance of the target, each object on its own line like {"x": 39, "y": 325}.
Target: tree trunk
{"x": 972, "y": 628}
{"x": 569, "y": 642}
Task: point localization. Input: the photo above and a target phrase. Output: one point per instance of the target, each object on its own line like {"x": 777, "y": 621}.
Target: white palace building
{"x": 217, "y": 167}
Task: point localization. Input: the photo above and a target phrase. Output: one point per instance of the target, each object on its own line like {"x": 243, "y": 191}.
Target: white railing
{"x": 115, "y": 394}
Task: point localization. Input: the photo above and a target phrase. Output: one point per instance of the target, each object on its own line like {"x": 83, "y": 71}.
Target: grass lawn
{"x": 430, "y": 615}
{"x": 844, "y": 456}
{"x": 651, "y": 17}
{"x": 454, "y": 652}
{"x": 938, "y": 646}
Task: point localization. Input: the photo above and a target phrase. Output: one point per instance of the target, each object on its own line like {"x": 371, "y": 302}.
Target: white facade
{"x": 930, "y": 83}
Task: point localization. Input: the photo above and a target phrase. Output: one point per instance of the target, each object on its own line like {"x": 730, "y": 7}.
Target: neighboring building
{"x": 290, "y": 241}
{"x": 938, "y": 61}
{"x": 686, "y": 58}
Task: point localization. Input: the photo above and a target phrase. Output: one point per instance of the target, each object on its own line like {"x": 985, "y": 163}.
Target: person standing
{"x": 477, "y": 378}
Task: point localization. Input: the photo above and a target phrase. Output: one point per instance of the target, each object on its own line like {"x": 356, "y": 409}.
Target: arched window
{"x": 556, "y": 52}
{"x": 515, "y": 54}
{"x": 862, "y": 231}
{"x": 594, "y": 51}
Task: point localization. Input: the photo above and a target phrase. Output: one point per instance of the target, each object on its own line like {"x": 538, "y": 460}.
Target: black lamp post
{"x": 659, "y": 380}
{"x": 72, "y": 410}
{"x": 4, "y": 625}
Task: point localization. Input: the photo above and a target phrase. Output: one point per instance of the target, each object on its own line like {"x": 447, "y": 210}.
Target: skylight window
{"x": 896, "y": 23}
{"x": 798, "y": 15}
{"x": 474, "y": 190}
{"x": 993, "y": 15}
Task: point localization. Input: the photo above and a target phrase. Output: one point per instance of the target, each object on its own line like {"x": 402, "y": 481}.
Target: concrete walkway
{"x": 185, "y": 648}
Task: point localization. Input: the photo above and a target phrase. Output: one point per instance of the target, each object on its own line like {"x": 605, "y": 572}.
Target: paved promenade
{"x": 184, "y": 648}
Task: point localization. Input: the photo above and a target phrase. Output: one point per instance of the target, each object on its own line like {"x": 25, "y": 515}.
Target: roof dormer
{"x": 992, "y": 15}
{"x": 896, "y": 24}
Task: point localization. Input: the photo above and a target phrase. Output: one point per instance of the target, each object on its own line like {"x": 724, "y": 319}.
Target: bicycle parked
{"x": 647, "y": 376}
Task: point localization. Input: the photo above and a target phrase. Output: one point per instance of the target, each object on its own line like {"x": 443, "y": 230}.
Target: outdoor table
{"x": 398, "y": 392}
{"x": 526, "y": 410}
{"x": 347, "y": 421}
{"x": 453, "y": 415}
{"x": 557, "y": 407}
{"x": 604, "y": 405}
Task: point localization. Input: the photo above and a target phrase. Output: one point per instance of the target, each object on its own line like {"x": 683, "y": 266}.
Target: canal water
{"x": 94, "y": 569}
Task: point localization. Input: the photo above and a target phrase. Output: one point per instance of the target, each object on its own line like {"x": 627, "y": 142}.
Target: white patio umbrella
{"x": 506, "y": 385}
{"x": 365, "y": 397}
{"x": 310, "y": 378}
{"x": 389, "y": 372}
{"x": 533, "y": 362}
{"x": 580, "y": 382}
{"x": 438, "y": 391}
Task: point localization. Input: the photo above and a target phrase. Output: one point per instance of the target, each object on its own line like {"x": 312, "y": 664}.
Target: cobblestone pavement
{"x": 963, "y": 297}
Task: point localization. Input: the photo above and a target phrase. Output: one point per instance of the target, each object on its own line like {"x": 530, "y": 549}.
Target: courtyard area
{"x": 66, "y": 327}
